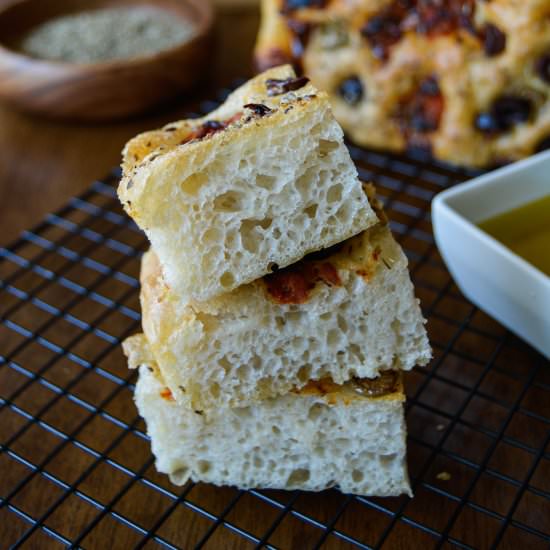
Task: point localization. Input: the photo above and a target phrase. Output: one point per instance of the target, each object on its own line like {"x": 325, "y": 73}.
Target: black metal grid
{"x": 75, "y": 461}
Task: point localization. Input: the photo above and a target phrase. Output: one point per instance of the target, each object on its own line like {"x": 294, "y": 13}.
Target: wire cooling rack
{"x": 75, "y": 462}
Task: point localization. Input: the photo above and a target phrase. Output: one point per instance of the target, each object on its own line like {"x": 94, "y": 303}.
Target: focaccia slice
{"x": 348, "y": 312}
{"x": 260, "y": 182}
{"x": 325, "y": 435}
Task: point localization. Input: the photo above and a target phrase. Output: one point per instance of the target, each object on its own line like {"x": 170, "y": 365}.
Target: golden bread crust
{"x": 475, "y": 91}
{"x": 170, "y": 137}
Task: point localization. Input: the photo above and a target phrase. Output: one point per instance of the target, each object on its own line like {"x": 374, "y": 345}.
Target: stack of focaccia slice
{"x": 277, "y": 308}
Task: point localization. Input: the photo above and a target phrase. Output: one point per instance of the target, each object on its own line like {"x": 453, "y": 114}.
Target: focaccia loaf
{"x": 467, "y": 79}
{"x": 348, "y": 312}
{"x": 260, "y": 182}
{"x": 325, "y": 435}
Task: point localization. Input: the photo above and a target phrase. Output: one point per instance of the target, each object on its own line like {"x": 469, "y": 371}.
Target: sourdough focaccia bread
{"x": 325, "y": 435}
{"x": 260, "y": 182}
{"x": 467, "y": 79}
{"x": 348, "y": 312}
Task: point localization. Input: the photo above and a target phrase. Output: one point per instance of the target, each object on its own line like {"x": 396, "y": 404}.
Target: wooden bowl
{"x": 105, "y": 90}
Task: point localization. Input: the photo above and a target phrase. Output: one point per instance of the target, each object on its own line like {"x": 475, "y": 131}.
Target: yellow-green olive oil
{"x": 525, "y": 230}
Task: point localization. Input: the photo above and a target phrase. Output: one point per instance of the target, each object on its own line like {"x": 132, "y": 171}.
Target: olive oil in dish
{"x": 525, "y": 230}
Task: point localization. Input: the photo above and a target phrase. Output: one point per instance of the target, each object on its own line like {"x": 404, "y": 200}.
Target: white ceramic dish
{"x": 492, "y": 276}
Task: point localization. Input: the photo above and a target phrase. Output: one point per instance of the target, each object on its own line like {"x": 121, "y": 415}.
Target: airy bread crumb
{"x": 248, "y": 345}
{"x": 299, "y": 441}
{"x": 263, "y": 180}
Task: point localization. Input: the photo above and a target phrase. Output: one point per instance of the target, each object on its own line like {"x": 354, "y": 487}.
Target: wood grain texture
{"x": 454, "y": 421}
{"x": 43, "y": 162}
{"x": 42, "y": 165}
{"x": 106, "y": 90}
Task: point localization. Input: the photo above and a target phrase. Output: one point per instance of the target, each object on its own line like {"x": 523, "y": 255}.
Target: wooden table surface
{"x": 43, "y": 163}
